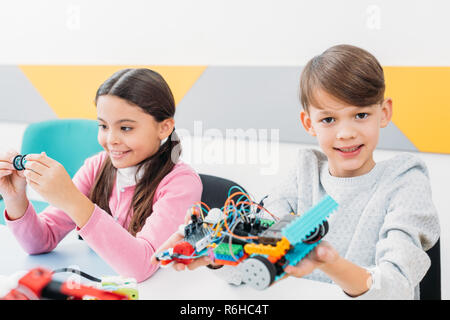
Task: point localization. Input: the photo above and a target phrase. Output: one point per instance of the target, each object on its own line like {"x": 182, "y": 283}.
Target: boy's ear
{"x": 386, "y": 112}
{"x": 165, "y": 128}
{"x": 307, "y": 123}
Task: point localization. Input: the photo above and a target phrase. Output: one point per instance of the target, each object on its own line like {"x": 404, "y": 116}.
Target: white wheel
{"x": 258, "y": 272}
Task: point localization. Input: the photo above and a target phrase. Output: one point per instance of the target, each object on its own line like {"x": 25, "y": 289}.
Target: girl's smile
{"x": 118, "y": 154}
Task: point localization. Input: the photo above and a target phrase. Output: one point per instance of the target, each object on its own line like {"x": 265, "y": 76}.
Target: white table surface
{"x": 165, "y": 284}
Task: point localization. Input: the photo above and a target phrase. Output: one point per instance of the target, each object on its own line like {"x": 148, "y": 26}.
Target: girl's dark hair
{"x": 149, "y": 91}
{"x": 348, "y": 73}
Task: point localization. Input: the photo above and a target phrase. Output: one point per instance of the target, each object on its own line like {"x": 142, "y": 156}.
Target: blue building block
{"x": 300, "y": 228}
{"x": 228, "y": 256}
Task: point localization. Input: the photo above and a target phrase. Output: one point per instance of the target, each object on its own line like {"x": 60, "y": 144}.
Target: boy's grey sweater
{"x": 385, "y": 221}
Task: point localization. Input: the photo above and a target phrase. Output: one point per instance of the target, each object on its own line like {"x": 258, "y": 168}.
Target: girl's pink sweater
{"x": 107, "y": 235}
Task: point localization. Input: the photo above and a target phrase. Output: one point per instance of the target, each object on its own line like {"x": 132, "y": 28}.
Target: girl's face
{"x": 127, "y": 133}
{"x": 346, "y": 134}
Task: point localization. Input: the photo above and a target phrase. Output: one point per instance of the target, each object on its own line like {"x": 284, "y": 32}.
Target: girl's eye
{"x": 328, "y": 120}
{"x": 125, "y": 128}
{"x": 362, "y": 115}
{"x": 102, "y": 126}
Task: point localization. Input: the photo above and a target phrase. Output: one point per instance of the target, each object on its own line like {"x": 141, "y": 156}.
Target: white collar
{"x": 127, "y": 176}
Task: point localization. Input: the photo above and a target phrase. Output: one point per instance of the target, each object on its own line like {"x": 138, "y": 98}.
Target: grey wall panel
{"x": 19, "y": 99}
{"x": 249, "y": 98}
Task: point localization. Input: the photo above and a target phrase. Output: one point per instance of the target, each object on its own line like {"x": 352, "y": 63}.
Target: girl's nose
{"x": 112, "y": 138}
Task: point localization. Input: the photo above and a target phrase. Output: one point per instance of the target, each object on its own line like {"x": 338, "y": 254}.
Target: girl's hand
{"x": 49, "y": 178}
{"x": 170, "y": 243}
{"x": 322, "y": 255}
{"x": 12, "y": 182}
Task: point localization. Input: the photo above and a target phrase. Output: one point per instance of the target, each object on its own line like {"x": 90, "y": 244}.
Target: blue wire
{"x": 233, "y": 187}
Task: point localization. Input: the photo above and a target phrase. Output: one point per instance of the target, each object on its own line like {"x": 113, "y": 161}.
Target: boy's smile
{"x": 347, "y": 134}
{"x": 351, "y": 151}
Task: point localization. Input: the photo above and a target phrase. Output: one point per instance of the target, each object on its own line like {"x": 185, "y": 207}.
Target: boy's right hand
{"x": 12, "y": 182}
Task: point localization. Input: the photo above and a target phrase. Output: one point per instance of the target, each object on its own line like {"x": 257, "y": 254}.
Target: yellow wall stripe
{"x": 70, "y": 90}
{"x": 421, "y": 103}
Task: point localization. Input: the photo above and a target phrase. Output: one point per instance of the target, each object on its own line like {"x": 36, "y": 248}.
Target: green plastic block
{"x": 224, "y": 248}
{"x": 266, "y": 222}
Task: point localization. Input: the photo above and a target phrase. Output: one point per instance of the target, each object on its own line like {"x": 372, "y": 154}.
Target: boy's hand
{"x": 322, "y": 255}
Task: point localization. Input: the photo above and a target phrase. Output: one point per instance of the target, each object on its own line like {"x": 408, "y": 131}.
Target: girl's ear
{"x": 386, "y": 112}
{"x": 307, "y": 123}
{"x": 165, "y": 128}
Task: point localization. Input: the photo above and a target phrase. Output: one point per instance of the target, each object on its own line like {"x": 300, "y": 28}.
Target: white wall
{"x": 220, "y": 32}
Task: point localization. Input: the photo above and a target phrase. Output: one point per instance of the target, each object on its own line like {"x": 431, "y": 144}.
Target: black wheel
{"x": 258, "y": 272}
{"x": 317, "y": 234}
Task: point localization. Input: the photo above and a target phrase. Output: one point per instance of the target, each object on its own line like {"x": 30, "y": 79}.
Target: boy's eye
{"x": 362, "y": 115}
{"x": 328, "y": 120}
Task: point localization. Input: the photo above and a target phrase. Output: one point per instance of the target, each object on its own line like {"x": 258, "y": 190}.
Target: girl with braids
{"x": 125, "y": 201}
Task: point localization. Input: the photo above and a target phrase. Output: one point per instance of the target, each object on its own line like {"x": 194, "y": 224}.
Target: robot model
{"x": 260, "y": 248}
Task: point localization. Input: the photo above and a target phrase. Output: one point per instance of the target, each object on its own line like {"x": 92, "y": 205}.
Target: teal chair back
{"x": 68, "y": 141}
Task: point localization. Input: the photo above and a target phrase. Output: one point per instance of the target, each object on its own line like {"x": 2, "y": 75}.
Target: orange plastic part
{"x": 272, "y": 251}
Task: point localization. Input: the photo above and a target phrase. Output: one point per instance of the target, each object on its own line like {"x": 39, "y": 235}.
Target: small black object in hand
{"x": 19, "y": 162}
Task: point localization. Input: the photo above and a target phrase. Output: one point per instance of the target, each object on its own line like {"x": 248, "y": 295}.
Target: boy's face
{"x": 346, "y": 134}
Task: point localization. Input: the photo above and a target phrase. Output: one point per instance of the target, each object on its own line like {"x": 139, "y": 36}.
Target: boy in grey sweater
{"x": 375, "y": 247}
{"x": 386, "y": 220}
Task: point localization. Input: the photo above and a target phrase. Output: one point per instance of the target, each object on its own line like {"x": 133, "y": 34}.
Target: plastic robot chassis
{"x": 260, "y": 248}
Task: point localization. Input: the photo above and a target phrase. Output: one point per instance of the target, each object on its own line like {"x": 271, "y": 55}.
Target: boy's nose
{"x": 345, "y": 133}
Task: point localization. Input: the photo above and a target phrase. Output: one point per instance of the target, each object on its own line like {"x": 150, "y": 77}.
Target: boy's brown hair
{"x": 348, "y": 73}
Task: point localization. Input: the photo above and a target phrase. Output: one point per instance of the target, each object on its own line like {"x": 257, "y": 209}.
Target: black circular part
{"x": 270, "y": 267}
{"x": 318, "y": 233}
{"x": 17, "y": 163}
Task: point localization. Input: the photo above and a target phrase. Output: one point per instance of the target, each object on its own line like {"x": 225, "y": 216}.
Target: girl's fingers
{"x": 9, "y": 155}
{"x": 32, "y": 184}
{"x": 200, "y": 262}
{"x": 20, "y": 173}
{"x": 7, "y": 158}
{"x": 5, "y": 172}
{"x": 170, "y": 243}
{"x": 32, "y": 176}
{"x": 6, "y": 165}
{"x": 41, "y": 157}
{"x": 179, "y": 266}
{"x": 36, "y": 167}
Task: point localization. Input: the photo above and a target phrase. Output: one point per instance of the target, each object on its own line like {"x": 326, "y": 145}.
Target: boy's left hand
{"x": 323, "y": 254}
{"x": 49, "y": 178}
